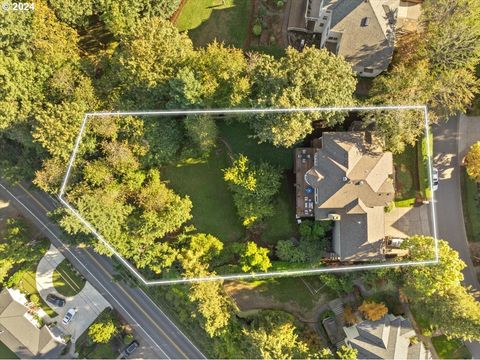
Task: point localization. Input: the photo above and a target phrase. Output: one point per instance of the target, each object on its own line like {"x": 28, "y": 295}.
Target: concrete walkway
{"x": 88, "y": 302}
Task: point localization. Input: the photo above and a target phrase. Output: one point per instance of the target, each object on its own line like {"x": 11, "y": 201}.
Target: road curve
{"x": 165, "y": 340}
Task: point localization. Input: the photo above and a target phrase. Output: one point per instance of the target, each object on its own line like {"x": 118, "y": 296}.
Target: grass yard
{"x": 66, "y": 281}
{"x": 224, "y": 20}
{"x": 406, "y": 177}
{"x": 450, "y": 349}
{"x": 27, "y": 285}
{"x": 213, "y": 209}
{"x": 238, "y": 136}
{"x": 422, "y": 163}
{"x": 6, "y": 353}
{"x": 282, "y": 224}
{"x": 471, "y": 206}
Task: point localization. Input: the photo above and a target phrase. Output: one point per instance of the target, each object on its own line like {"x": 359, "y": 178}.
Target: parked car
{"x": 55, "y": 300}
{"x": 69, "y": 316}
{"x": 130, "y": 349}
{"x": 435, "y": 178}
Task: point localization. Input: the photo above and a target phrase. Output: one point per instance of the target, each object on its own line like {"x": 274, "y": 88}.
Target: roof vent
{"x": 345, "y": 179}
{"x": 364, "y": 21}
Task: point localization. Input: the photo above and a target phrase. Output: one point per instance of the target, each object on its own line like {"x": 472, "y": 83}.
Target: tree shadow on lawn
{"x": 226, "y": 23}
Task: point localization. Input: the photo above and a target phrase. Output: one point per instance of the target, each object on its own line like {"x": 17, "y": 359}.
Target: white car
{"x": 435, "y": 178}
{"x": 69, "y": 316}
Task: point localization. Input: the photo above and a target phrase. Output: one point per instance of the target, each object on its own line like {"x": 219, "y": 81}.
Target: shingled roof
{"x": 352, "y": 178}
{"x": 387, "y": 338}
{"x": 19, "y": 333}
{"x": 368, "y": 45}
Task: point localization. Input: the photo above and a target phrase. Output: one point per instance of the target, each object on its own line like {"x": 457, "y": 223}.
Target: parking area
{"x": 403, "y": 222}
{"x": 89, "y": 303}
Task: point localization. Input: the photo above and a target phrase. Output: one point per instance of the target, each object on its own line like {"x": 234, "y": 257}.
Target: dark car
{"x": 55, "y": 300}
{"x": 131, "y": 347}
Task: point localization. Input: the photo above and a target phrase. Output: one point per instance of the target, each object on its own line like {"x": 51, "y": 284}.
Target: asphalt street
{"x": 450, "y": 223}
{"x": 158, "y": 335}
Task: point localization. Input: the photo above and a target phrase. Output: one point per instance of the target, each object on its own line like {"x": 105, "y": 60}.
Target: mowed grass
{"x": 28, "y": 285}
{"x": 213, "y": 208}
{"x": 6, "y": 353}
{"x": 450, "y": 349}
{"x": 223, "y": 20}
{"x": 66, "y": 281}
{"x": 239, "y": 136}
{"x": 471, "y": 206}
{"x": 406, "y": 177}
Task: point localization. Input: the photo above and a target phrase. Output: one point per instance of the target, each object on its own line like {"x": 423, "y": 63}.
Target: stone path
{"x": 88, "y": 302}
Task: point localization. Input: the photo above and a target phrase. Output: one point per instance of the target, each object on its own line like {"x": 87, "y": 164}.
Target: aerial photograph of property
{"x": 240, "y": 179}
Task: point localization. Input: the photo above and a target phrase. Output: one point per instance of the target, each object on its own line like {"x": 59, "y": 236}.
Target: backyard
{"x": 213, "y": 209}
{"x": 223, "y": 20}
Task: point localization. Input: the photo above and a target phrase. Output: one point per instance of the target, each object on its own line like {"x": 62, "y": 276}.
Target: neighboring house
{"x": 21, "y": 332}
{"x": 345, "y": 177}
{"x": 362, "y": 31}
{"x": 387, "y": 338}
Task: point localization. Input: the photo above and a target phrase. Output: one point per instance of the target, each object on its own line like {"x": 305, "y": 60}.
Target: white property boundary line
{"x": 270, "y": 274}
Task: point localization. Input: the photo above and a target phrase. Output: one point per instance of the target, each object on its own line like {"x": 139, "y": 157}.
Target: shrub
{"x": 257, "y": 29}
{"x": 127, "y": 339}
{"x": 372, "y": 310}
{"x": 288, "y": 251}
{"x": 280, "y": 3}
{"x": 35, "y": 299}
{"x": 472, "y": 161}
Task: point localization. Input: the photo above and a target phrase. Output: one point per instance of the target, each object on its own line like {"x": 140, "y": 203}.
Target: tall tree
{"x": 472, "y": 161}
{"x": 311, "y": 78}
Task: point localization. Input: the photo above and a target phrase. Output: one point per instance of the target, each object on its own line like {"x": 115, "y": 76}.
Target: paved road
{"x": 451, "y": 226}
{"x": 159, "y": 336}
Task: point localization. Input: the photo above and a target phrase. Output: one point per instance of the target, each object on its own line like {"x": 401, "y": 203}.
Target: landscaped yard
{"x": 224, "y": 20}
{"x": 450, "y": 349}
{"x": 406, "y": 177}
{"x": 422, "y": 163}
{"x": 6, "y": 353}
{"x": 66, "y": 281}
{"x": 213, "y": 209}
{"x": 471, "y": 206}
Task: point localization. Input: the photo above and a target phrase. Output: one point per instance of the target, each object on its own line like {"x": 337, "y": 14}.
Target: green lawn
{"x": 238, "y": 135}
{"x": 224, "y": 20}
{"x": 291, "y": 289}
{"x": 423, "y": 166}
{"x": 471, "y": 206}
{"x": 6, "y": 353}
{"x": 282, "y": 224}
{"x": 66, "y": 281}
{"x": 27, "y": 284}
{"x": 406, "y": 177}
{"x": 450, "y": 349}
{"x": 213, "y": 209}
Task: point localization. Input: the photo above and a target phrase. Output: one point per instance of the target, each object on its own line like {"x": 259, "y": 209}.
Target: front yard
{"x": 223, "y": 20}
{"x": 450, "y": 349}
{"x": 66, "y": 280}
{"x": 471, "y": 206}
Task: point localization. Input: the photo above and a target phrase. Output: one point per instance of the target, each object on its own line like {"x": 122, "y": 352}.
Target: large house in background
{"x": 345, "y": 177}
{"x": 362, "y": 31}
{"x": 20, "y": 330}
{"x": 387, "y": 338}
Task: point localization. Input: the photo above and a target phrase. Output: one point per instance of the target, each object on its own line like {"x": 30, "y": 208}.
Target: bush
{"x": 288, "y": 251}
{"x": 127, "y": 339}
{"x": 257, "y": 29}
{"x": 35, "y": 299}
{"x": 472, "y": 161}
{"x": 280, "y": 3}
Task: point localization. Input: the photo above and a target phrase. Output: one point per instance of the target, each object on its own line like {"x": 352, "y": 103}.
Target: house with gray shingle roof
{"x": 387, "y": 338}
{"x": 21, "y": 332}
{"x": 362, "y": 31}
{"x": 347, "y": 178}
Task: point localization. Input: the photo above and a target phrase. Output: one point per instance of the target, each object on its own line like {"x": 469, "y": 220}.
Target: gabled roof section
{"x": 387, "y": 338}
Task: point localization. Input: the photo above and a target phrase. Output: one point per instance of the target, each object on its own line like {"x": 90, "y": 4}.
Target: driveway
{"x": 403, "y": 222}
{"x": 88, "y": 302}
